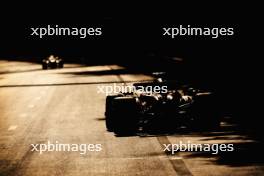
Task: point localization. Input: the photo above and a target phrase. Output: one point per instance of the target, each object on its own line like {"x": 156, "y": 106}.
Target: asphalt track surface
{"x": 63, "y": 105}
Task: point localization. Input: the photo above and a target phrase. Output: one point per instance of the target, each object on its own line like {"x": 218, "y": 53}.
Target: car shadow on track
{"x": 247, "y": 143}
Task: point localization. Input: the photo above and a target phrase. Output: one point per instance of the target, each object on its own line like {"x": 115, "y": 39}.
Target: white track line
{"x": 12, "y": 127}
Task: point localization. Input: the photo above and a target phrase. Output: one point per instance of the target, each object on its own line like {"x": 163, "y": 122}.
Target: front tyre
{"x": 205, "y": 113}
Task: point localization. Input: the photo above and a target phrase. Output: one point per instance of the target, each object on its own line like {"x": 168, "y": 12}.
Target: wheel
{"x": 44, "y": 66}
{"x": 109, "y": 111}
{"x": 60, "y": 65}
{"x": 204, "y": 113}
{"x": 126, "y": 117}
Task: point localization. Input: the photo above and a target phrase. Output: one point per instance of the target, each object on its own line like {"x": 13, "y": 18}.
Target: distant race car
{"x": 52, "y": 62}
{"x": 144, "y": 111}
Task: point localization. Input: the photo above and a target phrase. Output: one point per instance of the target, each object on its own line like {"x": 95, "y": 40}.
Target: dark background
{"x": 133, "y": 33}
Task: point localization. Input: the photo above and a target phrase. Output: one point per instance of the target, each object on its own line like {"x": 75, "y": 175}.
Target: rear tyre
{"x": 126, "y": 117}
{"x": 109, "y": 111}
{"x": 44, "y": 66}
{"x": 60, "y": 65}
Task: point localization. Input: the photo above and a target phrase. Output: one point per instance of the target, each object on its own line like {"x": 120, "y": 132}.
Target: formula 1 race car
{"x": 148, "y": 111}
{"x": 52, "y": 62}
